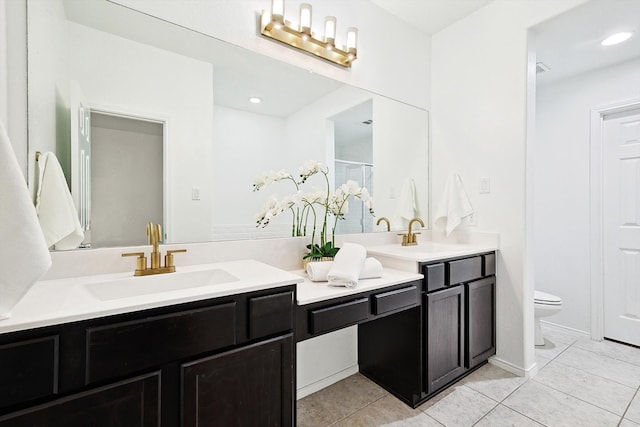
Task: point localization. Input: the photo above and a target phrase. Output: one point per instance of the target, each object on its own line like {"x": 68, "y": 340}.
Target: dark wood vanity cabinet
{"x": 455, "y": 331}
{"x": 228, "y": 361}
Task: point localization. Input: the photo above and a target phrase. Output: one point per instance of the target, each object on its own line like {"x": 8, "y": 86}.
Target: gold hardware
{"x": 385, "y": 219}
{"x": 409, "y": 239}
{"x": 284, "y": 32}
{"x": 38, "y": 155}
{"x": 154, "y": 231}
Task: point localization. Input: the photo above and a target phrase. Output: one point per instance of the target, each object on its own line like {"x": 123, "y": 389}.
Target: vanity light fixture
{"x": 616, "y": 38}
{"x": 274, "y": 26}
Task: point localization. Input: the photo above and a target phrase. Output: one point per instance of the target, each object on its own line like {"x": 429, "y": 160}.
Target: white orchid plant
{"x": 305, "y": 206}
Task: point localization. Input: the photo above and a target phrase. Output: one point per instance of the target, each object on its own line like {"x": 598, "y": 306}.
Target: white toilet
{"x": 544, "y": 305}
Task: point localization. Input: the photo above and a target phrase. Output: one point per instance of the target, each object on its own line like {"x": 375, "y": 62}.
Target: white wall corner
{"x": 529, "y": 372}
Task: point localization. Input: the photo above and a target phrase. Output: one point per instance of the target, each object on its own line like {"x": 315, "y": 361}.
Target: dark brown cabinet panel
{"x": 434, "y": 276}
{"x": 445, "y": 329}
{"x": 129, "y": 347}
{"x": 338, "y": 316}
{"x": 397, "y": 299}
{"x": 248, "y": 387}
{"x": 270, "y": 314}
{"x": 481, "y": 315}
{"x": 464, "y": 270}
{"x": 28, "y": 370}
{"x": 132, "y": 403}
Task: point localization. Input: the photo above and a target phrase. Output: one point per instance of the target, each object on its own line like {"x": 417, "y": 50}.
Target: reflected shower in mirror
{"x": 214, "y": 142}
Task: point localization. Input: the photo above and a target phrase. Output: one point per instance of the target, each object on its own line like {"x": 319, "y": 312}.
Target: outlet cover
{"x": 471, "y": 220}
{"x": 195, "y": 193}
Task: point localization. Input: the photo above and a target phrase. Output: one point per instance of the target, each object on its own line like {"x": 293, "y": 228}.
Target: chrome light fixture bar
{"x": 274, "y": 26}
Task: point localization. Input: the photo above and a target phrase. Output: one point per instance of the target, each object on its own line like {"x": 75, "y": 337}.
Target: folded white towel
{"x": 318, "y": 271}
{"x": 348, "y": 265}
{"x": 454, "y": 205}
{"x": 54, "y": 204}
{"x": 24, "y": 256}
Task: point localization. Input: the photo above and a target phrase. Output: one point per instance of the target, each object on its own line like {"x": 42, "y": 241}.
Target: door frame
{"x": 117, "y": 111}
{"x": 596, "y": 217}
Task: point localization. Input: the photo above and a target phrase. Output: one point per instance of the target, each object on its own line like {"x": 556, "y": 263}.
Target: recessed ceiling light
{"x": 255, "y": 100}
{"x": 616, "y": 38}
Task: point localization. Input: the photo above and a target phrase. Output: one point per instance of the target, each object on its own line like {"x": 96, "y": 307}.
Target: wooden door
{"x": 247, "y": 387}
{"x": 621, "y": 226}
{"x": 445, "y": 331}
{"x": 481, "y": 320}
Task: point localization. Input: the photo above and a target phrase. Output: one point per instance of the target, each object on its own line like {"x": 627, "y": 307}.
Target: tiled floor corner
{"x": 579, "y": 383}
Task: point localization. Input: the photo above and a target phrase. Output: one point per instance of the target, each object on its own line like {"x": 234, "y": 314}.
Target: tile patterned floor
{"x": 580, "y": 383}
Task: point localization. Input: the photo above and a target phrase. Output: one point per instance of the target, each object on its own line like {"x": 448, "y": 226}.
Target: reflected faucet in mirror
{"x": 154, "y": 231}
{"x": 409, "y": 239}
{"x": 385, "y": 219}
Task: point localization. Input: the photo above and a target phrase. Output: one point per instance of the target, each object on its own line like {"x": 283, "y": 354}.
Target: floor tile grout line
{"x": 360, "y": 409}
{"x": 576, "y": 397}
{"x": 636, "y": 394}
{"x": 488, "y": 412}
{"x": 596, "y": 375}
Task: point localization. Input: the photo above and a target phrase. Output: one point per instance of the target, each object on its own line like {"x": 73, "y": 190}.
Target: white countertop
{"x": 51, "y": 302}
{"x": 309, "y": 292}
{"x": 430, "y": 251}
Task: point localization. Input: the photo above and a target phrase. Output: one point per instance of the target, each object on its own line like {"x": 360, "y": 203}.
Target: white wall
{"x": 393, "y": 57}
{"x": 562, "y": 183}
{"x": 479, "y": 100}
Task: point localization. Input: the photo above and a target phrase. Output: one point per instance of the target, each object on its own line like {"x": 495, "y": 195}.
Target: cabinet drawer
{"x": 394, "y": 300}
{"x": 434, "y": 276}
{"x": 489, "y": 265}
{"x": 28, "y": 370}
{"x": 338, "y": 316}
{"x": 128, "y": 347}
{"x": 270, "y": 314}
{"x": 464, "y": 270}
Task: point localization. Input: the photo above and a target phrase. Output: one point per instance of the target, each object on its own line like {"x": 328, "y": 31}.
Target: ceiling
{"x": 431, "y": 16}
{"x": 569, "y": 44}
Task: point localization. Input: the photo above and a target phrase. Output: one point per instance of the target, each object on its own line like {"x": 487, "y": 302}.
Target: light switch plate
{"x": 195, "y": 193}
{"x": 485, "y": 185}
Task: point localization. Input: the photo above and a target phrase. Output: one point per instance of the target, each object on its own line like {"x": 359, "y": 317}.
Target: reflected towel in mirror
{"x": 24, "y": 256}
{"x": 406, "y": 209}
{"x": 56, "y": 211}
{"x": 454, "y": 205}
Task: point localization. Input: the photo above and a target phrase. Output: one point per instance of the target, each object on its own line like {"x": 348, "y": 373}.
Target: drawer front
{"x": 128, "y": 347}
{"x": 270, "y": 314}
{"x": 489, "y": 265}
{"x": 338, "y": 316}
{"x": 434, "y": 276}
{"x": 464, "y": 270}
{"x": 28, "y": 370}
{"x": 394, "y": 300}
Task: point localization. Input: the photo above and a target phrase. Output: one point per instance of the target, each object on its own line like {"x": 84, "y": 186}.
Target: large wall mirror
{"x": 152, "y": 121}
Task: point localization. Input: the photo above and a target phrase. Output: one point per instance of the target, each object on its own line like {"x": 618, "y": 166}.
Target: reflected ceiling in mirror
{"x": 122, "y": 63}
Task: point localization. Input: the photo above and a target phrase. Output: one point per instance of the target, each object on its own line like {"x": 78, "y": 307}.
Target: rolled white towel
{"x": 348, "y": 265}
{"x": 318, "y": 271}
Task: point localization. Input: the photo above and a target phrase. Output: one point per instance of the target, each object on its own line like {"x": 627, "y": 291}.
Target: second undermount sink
{"x": 136, "y": 286}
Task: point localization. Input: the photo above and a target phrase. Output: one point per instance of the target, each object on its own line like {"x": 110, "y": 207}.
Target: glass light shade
{"x": 352, "y": 39}
{"x": 277, "y": 10}
{"x": 305, "y": 18}
{"x": 330, "y": 29}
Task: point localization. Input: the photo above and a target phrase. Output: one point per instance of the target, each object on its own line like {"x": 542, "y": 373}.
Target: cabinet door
{"x": 247, "y": 387}
{"x": 131, "y": 403}
{"x": 481, "y": 315}
{"x": 445, "y": 337}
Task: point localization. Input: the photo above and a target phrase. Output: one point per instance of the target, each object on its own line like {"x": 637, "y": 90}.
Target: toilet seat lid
{"x": 545, "y": 298}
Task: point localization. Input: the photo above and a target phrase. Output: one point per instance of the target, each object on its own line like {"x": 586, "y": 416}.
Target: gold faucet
{"x": 409, "y": 239}
{"x": 154, "y": 232}
{"x": 385, "y": 219}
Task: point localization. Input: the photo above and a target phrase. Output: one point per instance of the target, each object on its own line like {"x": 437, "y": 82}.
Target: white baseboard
{"x": 566, "y": 328}
{"x": 326, "y": 382}
{"x": 516, "y": 370}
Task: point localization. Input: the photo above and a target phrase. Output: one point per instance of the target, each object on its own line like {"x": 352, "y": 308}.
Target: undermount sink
{"x": 145, "y": 285}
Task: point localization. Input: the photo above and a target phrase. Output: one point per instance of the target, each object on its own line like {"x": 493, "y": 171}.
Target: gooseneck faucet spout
{"x": 385, "y": 219}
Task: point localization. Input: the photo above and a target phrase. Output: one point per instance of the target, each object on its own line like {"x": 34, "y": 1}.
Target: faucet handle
{"x": 168, "y": 258}
{"x": 141, "y": 262}
{"x": 405, "y": 239}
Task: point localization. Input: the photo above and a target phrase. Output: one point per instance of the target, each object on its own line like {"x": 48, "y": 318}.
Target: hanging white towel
{"x": 55, "y": 207}
{"x": 24, "y": 256}
{"x": 318, "y": 271}
{"x": 454, "y": 205}
{"x": 406, "y": 208}
{"x": 348, "y": 265}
